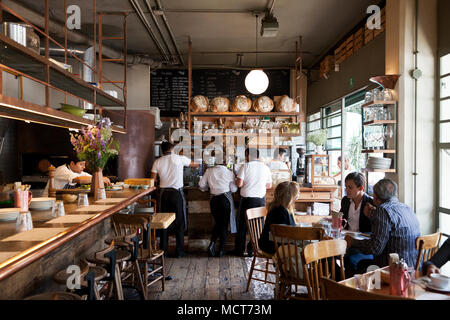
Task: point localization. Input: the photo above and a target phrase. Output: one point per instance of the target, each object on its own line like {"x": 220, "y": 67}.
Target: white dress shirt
{"x": 63, "y": 176}
{"x": 353, "y": 216}
{"x": 170, "y": 170}
{"x": 219, "y": 180}
{"x": 277, "y": 165}
{"x": 256, "y": 175}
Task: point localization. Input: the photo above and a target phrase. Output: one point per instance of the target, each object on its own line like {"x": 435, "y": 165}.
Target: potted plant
{"x": 318, "y": 138}
{"x": 95, "y": 145}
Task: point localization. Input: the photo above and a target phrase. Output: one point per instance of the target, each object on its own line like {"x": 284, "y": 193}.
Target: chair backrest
{"x": 255, "y": 224}
{"x": 317, "y": 264}
{"x": 333, "y": 290}
{"x": 130, "y": 225}
{"x": 427, "y": 246}
{"x": 289, "y": 244}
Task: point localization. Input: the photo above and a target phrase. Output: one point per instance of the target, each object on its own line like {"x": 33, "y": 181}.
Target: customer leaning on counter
{"x": 170, "y": 168}
{"x": 221, "y": 183}
{"x": 395, "y": 228}
{"x": 71, "y": 172}
{"x": 254, "y": 178}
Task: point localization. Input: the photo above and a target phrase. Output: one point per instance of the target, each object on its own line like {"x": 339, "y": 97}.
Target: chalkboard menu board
{"x": 169, "y": 88}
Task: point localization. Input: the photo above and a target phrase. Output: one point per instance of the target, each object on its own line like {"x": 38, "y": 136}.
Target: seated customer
{"x": 71, "y": 172}
{"x": 395, "y": 228}
{"x": 441, "y": 257}
{"x": 353, "y": 204}
{"x": 280, "y": 212}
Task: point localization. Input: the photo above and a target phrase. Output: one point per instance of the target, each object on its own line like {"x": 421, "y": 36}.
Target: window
{"x": 313, "y": 124}
{"x": 444, "y": 146}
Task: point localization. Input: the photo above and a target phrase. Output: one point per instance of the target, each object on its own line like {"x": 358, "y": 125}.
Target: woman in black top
{"x": 280, "y": 212}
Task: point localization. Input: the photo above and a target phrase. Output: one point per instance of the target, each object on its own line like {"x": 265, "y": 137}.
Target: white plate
{"x": 41, "y": 203}
{"x": 430, "y": 286}
{"x": 9, "y": 214}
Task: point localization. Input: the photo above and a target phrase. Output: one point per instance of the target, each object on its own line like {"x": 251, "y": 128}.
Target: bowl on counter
{"x": 68, "y": 108}
{"x": 41, "y": 203}
{"x": 69, "y": 198}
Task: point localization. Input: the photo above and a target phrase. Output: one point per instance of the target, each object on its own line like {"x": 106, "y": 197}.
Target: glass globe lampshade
{"x": 256, "y": 81}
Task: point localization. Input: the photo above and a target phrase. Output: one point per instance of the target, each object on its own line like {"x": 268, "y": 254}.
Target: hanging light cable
{"x": 256, "y": 81}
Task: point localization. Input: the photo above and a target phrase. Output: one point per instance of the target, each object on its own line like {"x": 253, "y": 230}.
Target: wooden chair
{"x": 427, "y": 246}
{"x": 333, "y": 290}
{"x": 316, "y": 263}
{"x": 140, "y": 223}
{"x": 289, "y": 245}
{"x": 255, "y": 224}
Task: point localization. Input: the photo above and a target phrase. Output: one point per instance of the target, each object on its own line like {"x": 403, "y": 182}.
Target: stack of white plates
{"x": 9, "y": 214}
{"x": 41, "y": 203}
{"x": 379, "y": 163}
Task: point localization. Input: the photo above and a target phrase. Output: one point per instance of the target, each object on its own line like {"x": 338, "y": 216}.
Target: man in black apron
{"x": 254, "y": 178}
{"x": 169, "y": 168}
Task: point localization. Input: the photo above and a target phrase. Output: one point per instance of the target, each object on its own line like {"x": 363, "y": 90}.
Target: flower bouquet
{"x": 95, "y": 145}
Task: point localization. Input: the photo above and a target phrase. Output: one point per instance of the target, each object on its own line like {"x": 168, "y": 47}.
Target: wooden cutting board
{"x": 93, "y": 208}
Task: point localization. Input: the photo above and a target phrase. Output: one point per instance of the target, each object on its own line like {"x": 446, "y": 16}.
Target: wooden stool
{"x": 55, "y": 296}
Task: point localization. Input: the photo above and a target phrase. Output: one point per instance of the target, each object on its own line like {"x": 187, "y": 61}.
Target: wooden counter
{"x": 63, "y": 237}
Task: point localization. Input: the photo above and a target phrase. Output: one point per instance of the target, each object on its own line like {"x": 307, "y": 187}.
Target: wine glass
{"x": 368, "y": 97}
{"x": 388, "y": 134}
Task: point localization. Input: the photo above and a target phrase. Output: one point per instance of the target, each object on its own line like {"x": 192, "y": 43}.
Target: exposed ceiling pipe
{"x": 147, "y": 26}
{"x": 57, "y": 30}
{"x": 166, "y": 23}
{"x": 271, "y": 7}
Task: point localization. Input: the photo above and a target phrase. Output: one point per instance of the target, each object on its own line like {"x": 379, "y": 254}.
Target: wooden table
{"x": 415, "y": 290}
{"x": 308, "y": 219}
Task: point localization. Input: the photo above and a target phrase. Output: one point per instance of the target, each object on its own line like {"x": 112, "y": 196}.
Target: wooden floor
{"x": 198, "y": 277}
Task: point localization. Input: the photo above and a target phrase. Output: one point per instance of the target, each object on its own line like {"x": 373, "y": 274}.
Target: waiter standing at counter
{"x": 254, "y": 178}
{"x": 170, "y": 168}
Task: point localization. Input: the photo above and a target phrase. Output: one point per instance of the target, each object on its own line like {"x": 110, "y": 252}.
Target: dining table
{"x": 418, "y": 286}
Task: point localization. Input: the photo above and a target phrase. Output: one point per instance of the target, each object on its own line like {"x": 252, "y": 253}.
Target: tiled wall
{"x": 9, "y": 159}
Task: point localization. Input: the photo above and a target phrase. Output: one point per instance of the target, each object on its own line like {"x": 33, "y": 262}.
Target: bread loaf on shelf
{"x": 263, "y": 104}
{"x": 285, "y": 104}
{"x": 199, "y": 104}
{"x": 241, "y": 104}
{"x": 219, "y": 104}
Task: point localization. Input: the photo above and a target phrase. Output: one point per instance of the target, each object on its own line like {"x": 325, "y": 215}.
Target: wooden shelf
{"x": 267, "y": 146}
{"x": 244, "y": 114}
{"x": 380, "y": 122}
{"x": 381, "y": 170}
{"x": 379, "y": 151}
{"x": 378, "y": 102}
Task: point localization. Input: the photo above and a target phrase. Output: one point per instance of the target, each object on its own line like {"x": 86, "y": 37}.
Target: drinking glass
{"x": 387, "y": 95}
{"x": 376, "y": 94}
{"x": 368, "y": 97}
{"x": 83, "y": 200}
{"x": 24, "y": 222}
{"x": 367, "y": 139}
{"x": 101, "y": 194}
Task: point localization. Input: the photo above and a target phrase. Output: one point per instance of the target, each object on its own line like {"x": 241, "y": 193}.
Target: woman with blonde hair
{"x": 281, "y": 211}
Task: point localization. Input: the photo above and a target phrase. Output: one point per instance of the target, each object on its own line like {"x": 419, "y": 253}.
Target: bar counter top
{"x": 18, "y": 250}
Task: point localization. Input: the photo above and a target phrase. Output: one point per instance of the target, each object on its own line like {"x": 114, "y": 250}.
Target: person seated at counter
{"x": 221, "y": 183}
{"x": 71, "y": 173}
{"x": 170, "y": 168}
{"x": 441, "y": 257}
{"x": 254, "y": 178}
{"x": 352, "y": 206}
{"x": 395, "y": 228}
{"x": 281, "y": 211}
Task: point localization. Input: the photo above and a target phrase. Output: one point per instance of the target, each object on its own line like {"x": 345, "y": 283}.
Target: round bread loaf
{"x": 219, "y": 104}
{"x": 241, "y": 104}
{"x": 285, "y": 104}
{"x": 263, "y": 104}
{"x": 199, "y": 104}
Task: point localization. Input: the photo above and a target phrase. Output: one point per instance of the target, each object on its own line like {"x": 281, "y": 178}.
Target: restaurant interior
{"x": 329, "y": 96}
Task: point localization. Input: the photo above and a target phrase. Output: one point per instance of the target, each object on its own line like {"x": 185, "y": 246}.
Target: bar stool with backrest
{"x": 146, "y": 255}
{"x": 290, "y": 242}
{"x": 109, "y": 258}
{"x": 255, "y": 224}
{"x": 333, "y": 290}
{"x": 427, "y": 246}
{"x": 316, "y": 257}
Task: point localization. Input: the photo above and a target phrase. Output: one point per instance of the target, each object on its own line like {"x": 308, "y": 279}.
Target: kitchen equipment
{"x": 72, "y": 110}
{"x": 40, "y": 204}
{"x": 23, "y": 34}
{"x": 9, "y": 214}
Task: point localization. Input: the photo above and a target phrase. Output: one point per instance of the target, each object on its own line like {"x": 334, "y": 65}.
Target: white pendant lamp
{"x": 256, "y": 82}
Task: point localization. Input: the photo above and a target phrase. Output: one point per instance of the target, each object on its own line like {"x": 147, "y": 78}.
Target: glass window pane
{"x": 445, "y": 110}
{"x": 314, "y": 116}
{"x": 445, "y": 64}
{"x": 312, "y": 126}
{"x": 334, "y": 144}
{"x": 444, "y": 223}
{"x": 334, "y": 132}
{"x": 445, "y": 87}
{"x": 445, "y": 132}
{"x": 445, "y": 179}
{"x": 334, "y": 121}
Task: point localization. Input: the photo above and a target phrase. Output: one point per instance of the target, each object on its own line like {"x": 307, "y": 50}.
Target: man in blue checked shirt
{"x": 395, "y": 228}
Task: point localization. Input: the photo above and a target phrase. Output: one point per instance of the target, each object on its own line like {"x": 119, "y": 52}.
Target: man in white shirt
{"x": 254, "y": 178}
{"x": 71, "y": 172}
{"x": 170, "y": 168}
{"x": 220, "y": 181}
{"x": 280, "y": 164}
